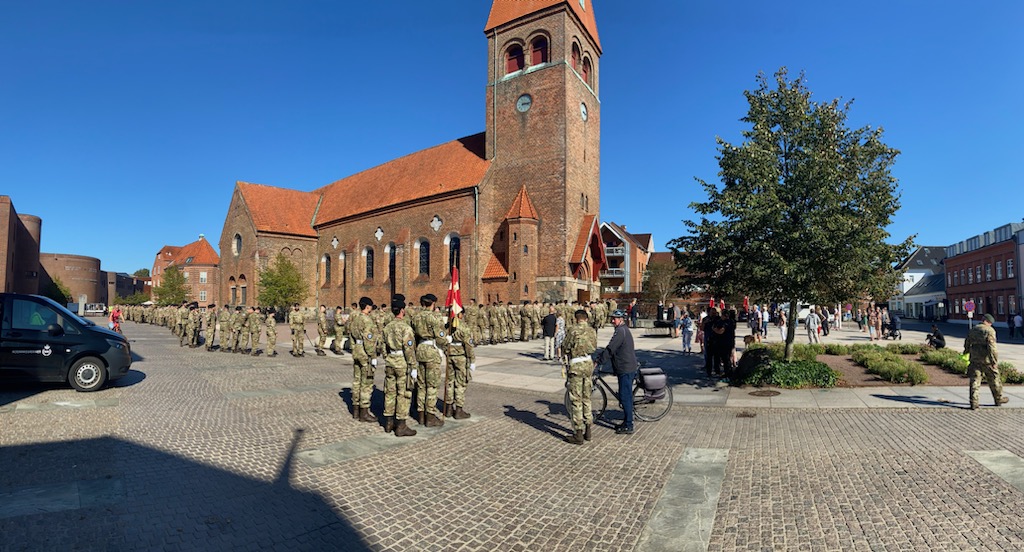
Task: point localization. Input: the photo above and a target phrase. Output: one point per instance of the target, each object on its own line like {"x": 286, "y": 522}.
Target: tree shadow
{"x": 681, "y": 368}
{"x": 126, "y": 496}
{"x": 533, "y": 420}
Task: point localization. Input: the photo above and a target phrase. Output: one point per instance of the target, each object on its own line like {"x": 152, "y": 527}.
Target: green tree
{"x": 281, "y": 284}
{"x": 173, "y": 289}
{"x": 802, "y": 210}
{"x": 58, "y": 291}
{"x": 141, "y": 273}
{"x": 135, "y": 299}
{"x": 661, "y": 280}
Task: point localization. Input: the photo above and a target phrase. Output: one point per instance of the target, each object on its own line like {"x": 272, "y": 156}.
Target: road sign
{"x": 970, "y": 314}
{"x": 969, "y": 306}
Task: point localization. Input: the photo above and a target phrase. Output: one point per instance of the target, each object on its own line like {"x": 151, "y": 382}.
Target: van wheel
{"x": 88, "y": 374}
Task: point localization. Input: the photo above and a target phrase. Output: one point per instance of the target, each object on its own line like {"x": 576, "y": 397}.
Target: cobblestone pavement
{"x": 214, "y": 451}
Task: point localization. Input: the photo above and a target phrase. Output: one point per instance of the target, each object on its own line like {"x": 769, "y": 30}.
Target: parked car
{"x": 41, "y": 340}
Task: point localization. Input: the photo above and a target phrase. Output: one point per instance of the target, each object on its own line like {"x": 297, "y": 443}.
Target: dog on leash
{"x": 749, "y": 340}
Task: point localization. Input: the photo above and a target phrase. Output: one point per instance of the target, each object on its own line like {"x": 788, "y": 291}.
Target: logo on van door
{"x": 47, "y": 351}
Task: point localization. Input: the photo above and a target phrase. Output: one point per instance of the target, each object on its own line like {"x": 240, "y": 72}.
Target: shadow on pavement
{"x": 682, "y": 369}
{"x": 533, "y": 420}
{"x": 124, "y": 496}
{"x": 919, "y": 400}
{"x": 129, "y": 379}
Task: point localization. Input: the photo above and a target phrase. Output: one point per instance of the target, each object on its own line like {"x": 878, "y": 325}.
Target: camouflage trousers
{"x": 211, "y": 333}
{"x": 991, "y": 373}
{"x": 580, "y": 386}
{"x": 396, "y": 396}
{"x": 362, "y": 381}
{"x": 271, "y": 341}
{"x": 297, "y": 343}
{"x": 455, "y": 385}
{"x": 321, "y": 339}
{"x": 254, "y": 335}
{"x": 427, "y": 380}
{"x": 186, "y": 334}
{"x": 243, "y": 339}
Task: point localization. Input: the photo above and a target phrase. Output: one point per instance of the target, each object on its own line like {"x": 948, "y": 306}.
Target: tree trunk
{"x": 793, "y": 321}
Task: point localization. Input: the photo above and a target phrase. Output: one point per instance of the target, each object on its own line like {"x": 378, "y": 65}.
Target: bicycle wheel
{"x": 646, "y": 407}
{"x": 598, "y": 402}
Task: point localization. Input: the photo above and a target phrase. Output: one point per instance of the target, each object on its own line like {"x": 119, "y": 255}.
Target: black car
{"x": 42, "y": 341}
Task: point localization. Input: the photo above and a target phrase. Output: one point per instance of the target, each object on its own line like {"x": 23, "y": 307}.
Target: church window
{"x": 539, "y": 51}
{"x": 515, "y": 236}
{"x": 513, "y": 276}
{"x": 526, "y": 249}
{"x": 236, "y": 245}
{"x": 369, "y": 263}
{"x": 327, "y": 270}
{"x": 575, "y": 58}
{"x": 425, "y": 258}
{"x": 454, "y": 249}
{"x": 586, "y": 71}
{"x": 526, "y": 288}
{"x": 515, "y": 59}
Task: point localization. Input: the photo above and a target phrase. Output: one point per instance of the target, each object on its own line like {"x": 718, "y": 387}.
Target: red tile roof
{"x": 449, "y": 167}
{"x": 662, "y": 257}
{"x": 522, "y": 207}
{"x": 583, "y": 238}
{"x": 280, "y": 210}
{"x": 495, "y": 269}
{"x": 506, "y": 11}
{"x": 200, "y": 252}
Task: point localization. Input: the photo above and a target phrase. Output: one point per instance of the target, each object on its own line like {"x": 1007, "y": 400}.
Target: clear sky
{"x": 125, "y": 124}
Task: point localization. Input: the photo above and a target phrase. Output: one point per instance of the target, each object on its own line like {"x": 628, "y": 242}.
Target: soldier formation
{"x": 420, "y": 345}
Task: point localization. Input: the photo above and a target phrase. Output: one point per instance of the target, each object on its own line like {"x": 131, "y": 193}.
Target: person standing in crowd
{"x": 271, "y": 325}
{"x": 764, "y": 321}
{"x": 431, "y": 342}
{"x": 621, "y": 354}
{"x": 340, "y": 320}
{"x": 560, "y": 328}
{"x": 321, "y": 330}
{"x": 399, "y": 370}
{"x": 579, "y": 344}
{"x": 710, "y": 339}
{"x": 365, "y": 346}
{"x": 462, "y": 364}
{"x": 255, "y": 329}
{"x": 687, "y": 331}
{"x": 813, "y": 322}
{"x": 1018, "y": 323}
{"x": 550, "y": 325}
{"x": 981, "y": 346}
{"x": 634, "y": 313}
{"x": 297, "y": 323}
{"x": 211, "y": 326}
{"x": 780, "y": 321}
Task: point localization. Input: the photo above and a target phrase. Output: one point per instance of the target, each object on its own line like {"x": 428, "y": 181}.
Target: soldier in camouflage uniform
{"x": 193, "y": 325}
{"x": 271, "y": 325}
{"x": 430, "y": 351}
{"x": 297, "y": 323}
{"x": 211, "y": 326}
{"x": 255, "y": 329}
{"x": 321, "y": 330}
{"x": 981, "y": 345}
{"x": 469, "y": 318}
{"x": 366, "y": 342}
{"x": 523, "y": 312}
{"x": 340, "y": 331}
{"x": 241, "y": 325}
{"x": 579, "y": 344}
{"x": 400, "y": 369}
{"x": 494, "y": 323}
{"x": 461, "y": 363}
{"x": 224, "y": 321}
{"x": 535, "y": 317}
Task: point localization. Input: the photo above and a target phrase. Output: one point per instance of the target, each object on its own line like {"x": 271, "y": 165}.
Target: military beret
{"x": 990, "y": 319}
{"x": 365, "y": 302}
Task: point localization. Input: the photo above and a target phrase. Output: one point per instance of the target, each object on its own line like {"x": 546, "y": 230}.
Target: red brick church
{"x": 515, "y": 207}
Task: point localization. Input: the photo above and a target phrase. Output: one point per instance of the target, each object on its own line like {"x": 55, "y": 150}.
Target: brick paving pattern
{"x": 208, "y": 450}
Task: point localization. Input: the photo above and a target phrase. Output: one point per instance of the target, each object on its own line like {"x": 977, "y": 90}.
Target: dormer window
{"x": 515, "y": 59}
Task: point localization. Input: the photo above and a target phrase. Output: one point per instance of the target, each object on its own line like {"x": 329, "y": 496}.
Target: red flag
{"x": 711, "y": 303}
{"x": 721, "y": 304}
{"x": 746, "y": 302}
{"x": 454, "y": 299}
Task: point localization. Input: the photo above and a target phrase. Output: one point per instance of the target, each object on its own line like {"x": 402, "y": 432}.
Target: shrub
{"x": 887, "y": 365}
{"x": 754, "y": 359}
{"x": 776, "y": 350}
{"x": 904, "y": 348}
{"x": 947, "y": 359}
{"x": 790, "y": 375}
{"x": 836, "y": 349}
{"x": 807, "y": 351}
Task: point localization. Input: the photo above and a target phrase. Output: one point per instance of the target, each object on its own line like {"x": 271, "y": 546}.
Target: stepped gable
{"x": 507, "y": 11}
{"x": 447, "y": 168}
{"x": 522, "y": 207}
{"x": 280, "y": 210}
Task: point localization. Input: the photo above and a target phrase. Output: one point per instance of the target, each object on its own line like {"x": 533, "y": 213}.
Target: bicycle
{"x": 648, "y": 405}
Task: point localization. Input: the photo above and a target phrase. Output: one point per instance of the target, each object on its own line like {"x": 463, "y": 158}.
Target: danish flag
{"x": 454, "y": 299}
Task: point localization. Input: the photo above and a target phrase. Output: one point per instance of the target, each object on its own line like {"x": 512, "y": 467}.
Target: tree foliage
{"x": 57, "y": 290}
{"x": 802, "y": 208}
{"x": 281, "y": 284}
{"x": 135, "y": 299}
{"x": 141, "y": 273}
{"x": 661, "y": 280}
{"x": 173, "y": 289}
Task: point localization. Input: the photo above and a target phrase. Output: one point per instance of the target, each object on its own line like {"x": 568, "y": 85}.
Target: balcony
{"x": 614, "y": 251}
{"x": 613, "y": 273}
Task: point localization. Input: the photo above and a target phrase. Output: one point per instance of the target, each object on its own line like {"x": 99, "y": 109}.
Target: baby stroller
{"x": 894, "y": 328}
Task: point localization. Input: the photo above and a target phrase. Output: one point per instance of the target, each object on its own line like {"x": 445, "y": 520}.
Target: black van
{"x": 42, "y": 341}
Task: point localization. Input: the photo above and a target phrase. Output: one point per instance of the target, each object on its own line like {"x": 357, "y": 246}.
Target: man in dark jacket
{"x": 550, "y": 323}
{"x": 623, "y": 359}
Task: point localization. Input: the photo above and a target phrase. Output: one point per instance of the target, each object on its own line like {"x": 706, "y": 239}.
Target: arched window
{"x": 454, "y": 250}
{"x": 575, "y": 58}
{"x": 369, "y": 263}
{"x": 539, "y": 51}
{"x": 327, "y": 270}
{"x": 515, "y": 60}
{"x": 236, "y": 245}
{"x": 234, "y": 290}
{"x": 243, "y": 289}
{"x": 425, "y": 258}
{"x": 586, "y": 71}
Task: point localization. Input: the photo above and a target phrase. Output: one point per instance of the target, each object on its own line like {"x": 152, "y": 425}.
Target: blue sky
{"x": 125, "y": 124}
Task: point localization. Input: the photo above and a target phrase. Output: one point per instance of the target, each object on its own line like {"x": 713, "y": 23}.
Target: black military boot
{"x": 320, "y": 352}
{"x": 434, "y": 421}
{"x": 586, "y": 432}
{"x": 272, "y": 354}
{"x": 448, "y": 410}
{"x": 576, "y": 438}
{"x": 366, "y": 416}
{"x": 389, "y": 424}
{"x": 402, "y": 430}
{"x": 460, "y": 414}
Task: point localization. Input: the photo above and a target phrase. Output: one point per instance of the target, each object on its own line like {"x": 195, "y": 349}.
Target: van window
{"x": 29, "y": 315}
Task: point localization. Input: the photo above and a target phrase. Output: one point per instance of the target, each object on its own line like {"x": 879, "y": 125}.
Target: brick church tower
{"x": 543, "y": 139}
